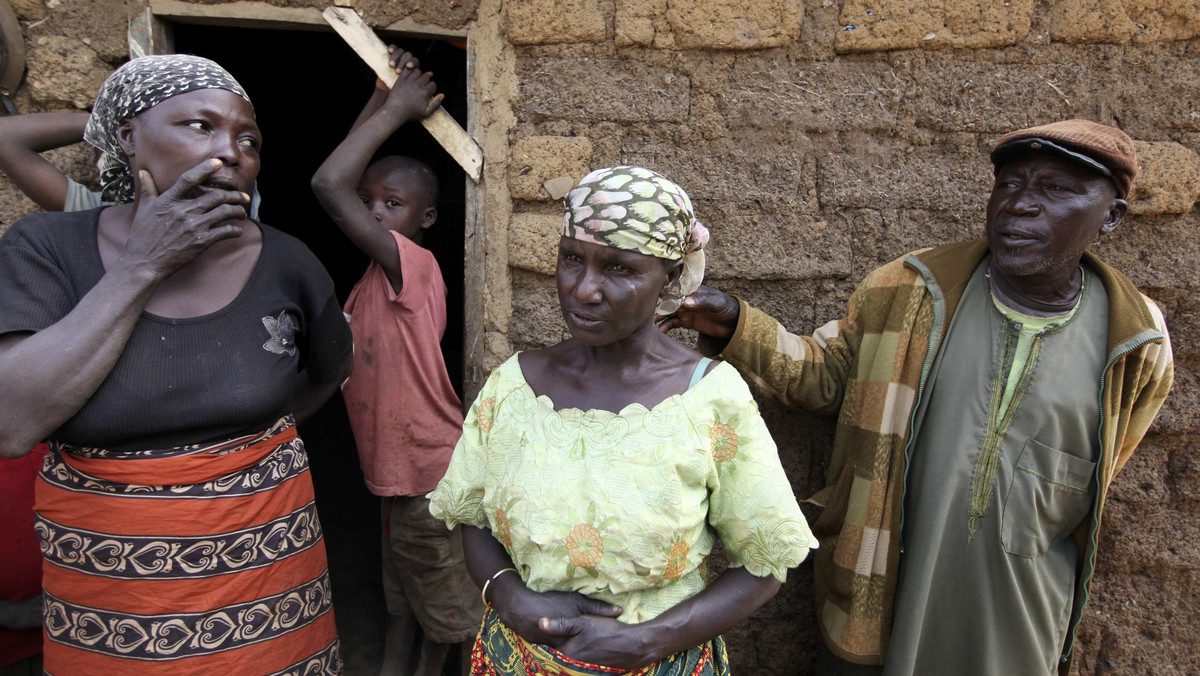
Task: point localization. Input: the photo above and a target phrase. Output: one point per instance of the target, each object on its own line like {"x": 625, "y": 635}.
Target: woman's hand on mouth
{"x": 171, "y": 229}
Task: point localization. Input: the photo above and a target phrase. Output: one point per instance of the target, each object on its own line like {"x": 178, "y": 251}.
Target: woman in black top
{"x": 164, "y": 345}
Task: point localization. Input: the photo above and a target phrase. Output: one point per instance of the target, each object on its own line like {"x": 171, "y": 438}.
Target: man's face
{"x": 1044, "y": 211}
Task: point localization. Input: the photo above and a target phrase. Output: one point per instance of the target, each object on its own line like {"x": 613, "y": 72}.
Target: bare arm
{"x": 46, "y": 377}
{"x": 379, "y": 95}
{"x": 519, "y": 606}
{"x": 336, "y": 181}
{"x": 22, "y": 137}
{"x": 599, "y": 640}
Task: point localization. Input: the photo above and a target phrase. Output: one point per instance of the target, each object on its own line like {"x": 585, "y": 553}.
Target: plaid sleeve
{"x": 801, "y": 371}
{"x": 1147, "y": 375}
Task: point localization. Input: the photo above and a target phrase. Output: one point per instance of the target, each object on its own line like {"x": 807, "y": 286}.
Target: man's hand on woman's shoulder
{"x": 711, "y": 312}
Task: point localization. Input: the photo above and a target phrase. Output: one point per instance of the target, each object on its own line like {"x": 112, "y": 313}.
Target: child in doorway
{"x": 403, "y": 411}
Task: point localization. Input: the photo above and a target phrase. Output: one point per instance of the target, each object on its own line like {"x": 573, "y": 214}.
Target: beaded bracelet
{"x": 483, "y": 592}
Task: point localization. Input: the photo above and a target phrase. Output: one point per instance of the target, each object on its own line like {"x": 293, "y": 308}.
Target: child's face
{"x": 395, "y": 200}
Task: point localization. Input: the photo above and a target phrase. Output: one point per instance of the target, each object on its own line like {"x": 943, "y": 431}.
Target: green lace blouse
{"x": 624, "y": 507}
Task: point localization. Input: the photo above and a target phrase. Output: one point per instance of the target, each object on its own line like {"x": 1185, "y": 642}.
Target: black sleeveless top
{"x": 180, "y": 381}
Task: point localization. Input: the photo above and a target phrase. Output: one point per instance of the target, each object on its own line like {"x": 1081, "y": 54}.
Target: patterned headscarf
{"x": 134, "y": 88}
{"x": 636, "y": 209}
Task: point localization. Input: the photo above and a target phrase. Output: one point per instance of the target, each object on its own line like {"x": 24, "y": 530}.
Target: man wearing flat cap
{"x": 987, "y": 393}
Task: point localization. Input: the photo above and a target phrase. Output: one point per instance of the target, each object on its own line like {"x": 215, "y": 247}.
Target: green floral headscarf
{"x": 636, "y": 209}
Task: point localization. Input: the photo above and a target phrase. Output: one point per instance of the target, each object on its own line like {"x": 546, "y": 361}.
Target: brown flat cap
{"x": 1107, "y": 150}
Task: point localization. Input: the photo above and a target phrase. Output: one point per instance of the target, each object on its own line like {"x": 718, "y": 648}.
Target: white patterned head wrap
{"x": 636, "y": 209}
{"x": 135, "y": 87}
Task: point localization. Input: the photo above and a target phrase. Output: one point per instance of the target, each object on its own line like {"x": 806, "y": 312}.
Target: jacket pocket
{"x": 1049, "y": 494}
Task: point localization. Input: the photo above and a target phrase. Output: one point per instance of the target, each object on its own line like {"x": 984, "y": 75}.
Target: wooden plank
{"x": 443, "y": 128}
{"x": 256, "y": 14}
{"x": 240, "y": 14}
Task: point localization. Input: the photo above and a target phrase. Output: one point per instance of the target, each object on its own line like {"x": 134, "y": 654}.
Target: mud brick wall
{"x": 818, "y": 139}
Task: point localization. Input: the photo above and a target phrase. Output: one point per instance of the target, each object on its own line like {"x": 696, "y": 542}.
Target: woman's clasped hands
{"x": 581, "y": 627}
{"x": 604, "y": 640}
{"x": 522, "y": 609}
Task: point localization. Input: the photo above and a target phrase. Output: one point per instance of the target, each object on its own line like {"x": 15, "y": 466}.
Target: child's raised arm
{"x": 413, "y": 97}
{"x": 22, "y": 137}
{"x": 379, "y": 94}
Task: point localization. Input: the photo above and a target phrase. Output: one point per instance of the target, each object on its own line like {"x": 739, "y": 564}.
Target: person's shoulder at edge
{"x": 901, "y": 272}
{"x": 509, "y": 373}
{"x": 405, "y": 244}
{"x": 417, "y": 255}
{"x": 48, "y": 226}
{"x": 967, "y": 249}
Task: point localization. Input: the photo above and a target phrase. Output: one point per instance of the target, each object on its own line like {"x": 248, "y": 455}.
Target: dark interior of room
{"x": 307, "y": 88}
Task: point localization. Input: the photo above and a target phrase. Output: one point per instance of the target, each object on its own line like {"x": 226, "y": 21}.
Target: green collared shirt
{"x": 1001, "y": 474}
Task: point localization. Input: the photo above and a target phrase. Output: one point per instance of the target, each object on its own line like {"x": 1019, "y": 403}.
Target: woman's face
{"x": 606, "y": 294}
{"x": 185, "y": 130}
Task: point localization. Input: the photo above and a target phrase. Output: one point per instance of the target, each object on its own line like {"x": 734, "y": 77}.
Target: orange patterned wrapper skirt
{"x": 204, "y": 559}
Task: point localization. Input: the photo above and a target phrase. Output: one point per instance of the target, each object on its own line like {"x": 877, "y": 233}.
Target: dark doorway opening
{"x": 307, "y": 89}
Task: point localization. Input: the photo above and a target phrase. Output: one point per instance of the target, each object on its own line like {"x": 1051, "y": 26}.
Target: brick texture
{"x": 533, "y": 22}
{"x": 713, "y": 24}
{"x": 1169, "y": 181}
{"x": 869, "y": 25}
{"x": 536, "y": 159}
{"x": 1119, "y": 21}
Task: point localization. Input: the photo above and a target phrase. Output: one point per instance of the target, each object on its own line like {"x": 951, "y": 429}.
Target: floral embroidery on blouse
{"x": 484, "y": 417}
{"x": 676, "y": 559}
{"x": 504, "y": 523}
{"x": 585, "y": 543}
{"x": 624, "y": 507}
{"x": 724, "y": 439}
{"x": 283, "y": 334}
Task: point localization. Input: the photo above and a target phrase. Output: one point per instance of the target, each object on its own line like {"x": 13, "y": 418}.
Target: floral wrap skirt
{"x": 499, "y": 651}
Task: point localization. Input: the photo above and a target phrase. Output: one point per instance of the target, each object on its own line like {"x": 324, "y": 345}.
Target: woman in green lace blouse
{"x": 594, "y": 477}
